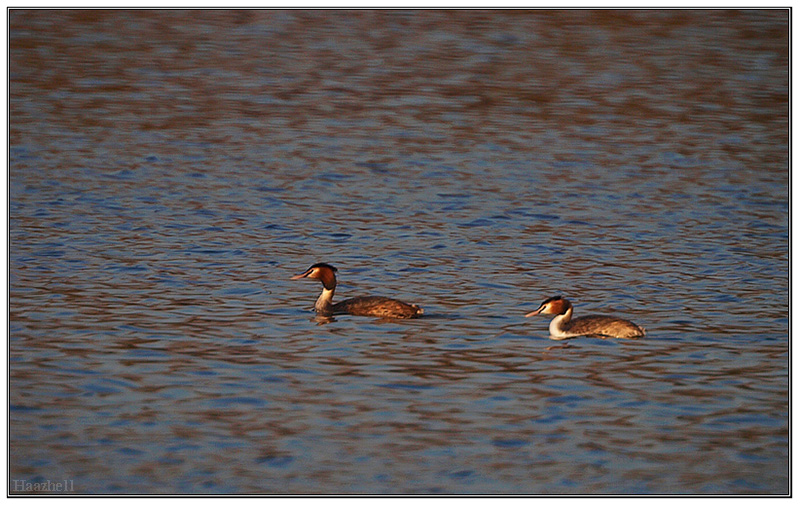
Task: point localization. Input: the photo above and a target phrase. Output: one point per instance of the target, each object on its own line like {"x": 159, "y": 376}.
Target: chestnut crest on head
{"x": 326, "y": 273}
{"x": 553, "y": 305}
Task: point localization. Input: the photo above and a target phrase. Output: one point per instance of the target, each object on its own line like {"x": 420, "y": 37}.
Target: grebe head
{"x": 324, "y": 272}
{"x": 553, "y": 305}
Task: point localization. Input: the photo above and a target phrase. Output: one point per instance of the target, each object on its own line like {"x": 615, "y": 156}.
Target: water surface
{"x": 171, "y": 170}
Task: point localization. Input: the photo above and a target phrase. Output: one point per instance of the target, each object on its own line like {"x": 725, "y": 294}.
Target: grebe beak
{"x": 303, "y": 275}
{"x": 534, "y": 313}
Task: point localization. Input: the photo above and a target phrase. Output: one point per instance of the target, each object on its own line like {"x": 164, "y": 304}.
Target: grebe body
{"x": 564, "y": 327}
{"x": 382, "y": 307}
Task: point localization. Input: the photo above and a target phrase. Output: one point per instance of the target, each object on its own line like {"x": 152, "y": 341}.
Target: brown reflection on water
{"x": 195, "y": 84}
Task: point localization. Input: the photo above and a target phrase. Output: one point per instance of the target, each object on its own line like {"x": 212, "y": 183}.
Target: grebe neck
{"x": 324, "y": 302}
{"x": 559, "y": 325}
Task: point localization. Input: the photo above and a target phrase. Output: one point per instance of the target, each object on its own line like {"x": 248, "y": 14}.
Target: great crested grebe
{"x": 564, "y": 327}
{"x": 382, "y": 307}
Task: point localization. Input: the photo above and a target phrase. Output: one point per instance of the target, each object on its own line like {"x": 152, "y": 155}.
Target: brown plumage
{"x": 382, "y": 307}
{"x": 564, "y": 327}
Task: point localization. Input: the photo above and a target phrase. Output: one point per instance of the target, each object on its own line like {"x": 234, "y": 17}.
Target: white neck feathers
{"x": 324, "y": 301}
{"x": 560, "y": 324}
